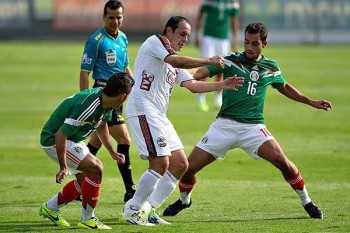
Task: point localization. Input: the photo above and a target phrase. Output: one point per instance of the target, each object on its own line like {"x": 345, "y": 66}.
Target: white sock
{"x": 87, "y": 213}
{"x": 52, "y": 204}
{"x": 201, "y": 98}
{"x": 166, "y": 185}
{"x": 218, "y": 98}
{"x": 185, "y": 197}
{"x": 145, "y": 187}
{"x": 303, "y": 195}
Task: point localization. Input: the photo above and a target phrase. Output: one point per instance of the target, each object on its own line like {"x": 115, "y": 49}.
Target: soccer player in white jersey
{"x": 157, "y": 68}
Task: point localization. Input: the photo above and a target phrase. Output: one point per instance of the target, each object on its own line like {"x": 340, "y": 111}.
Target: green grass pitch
{"x": 237, "y": 194}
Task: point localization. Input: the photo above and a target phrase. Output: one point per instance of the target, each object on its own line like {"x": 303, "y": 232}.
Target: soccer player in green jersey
{"x": 218, "y": 20}
{"x": 73, "y": 121}
{"x": 240, "y": 122}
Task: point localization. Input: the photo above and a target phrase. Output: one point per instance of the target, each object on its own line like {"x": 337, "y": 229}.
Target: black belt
{"x": 100, "y": 82}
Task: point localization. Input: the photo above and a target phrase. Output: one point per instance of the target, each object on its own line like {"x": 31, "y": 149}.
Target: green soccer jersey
{"x": 218, "y": 13}
{"x": 78, "y": 116}
{"x": 246, "y": 105}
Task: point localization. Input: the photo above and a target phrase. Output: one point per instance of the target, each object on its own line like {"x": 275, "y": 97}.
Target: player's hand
{"x": 119, "y": 157}
{"x": 217, "y": 61}
{"x": 61, "y": 175}
{"x": 233, "y": 83}
{"x": 322, "y": 104}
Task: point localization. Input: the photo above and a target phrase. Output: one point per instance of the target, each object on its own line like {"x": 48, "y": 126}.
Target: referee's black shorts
{"x": 117, "y": 117}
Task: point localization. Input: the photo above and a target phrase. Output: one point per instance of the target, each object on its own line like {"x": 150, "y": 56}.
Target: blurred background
{"x": 297, "y": 21}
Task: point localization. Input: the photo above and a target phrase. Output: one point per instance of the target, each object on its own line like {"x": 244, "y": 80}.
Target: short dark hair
{"x": 254, "y": 28}
{"x": 173, "y": 22}
{"x": 112, "y": 4}
{"x": 118, "y": 83}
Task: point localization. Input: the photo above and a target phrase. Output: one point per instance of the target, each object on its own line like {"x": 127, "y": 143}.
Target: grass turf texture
{"x": 237, "y": 194}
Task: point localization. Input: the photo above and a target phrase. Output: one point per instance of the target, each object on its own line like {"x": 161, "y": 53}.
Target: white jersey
{"x": 154, "y": 78}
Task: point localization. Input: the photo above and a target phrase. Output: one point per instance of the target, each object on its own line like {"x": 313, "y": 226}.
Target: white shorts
{"x": 75, "y": 153}
{"x": 211, "y": 46}
{"x": 154, "y": 135}
{"x": 226, "y": 134}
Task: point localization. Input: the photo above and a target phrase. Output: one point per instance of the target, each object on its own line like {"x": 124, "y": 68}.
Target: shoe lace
{"x": 152, "y": 214}
{"x": 98, "y": 222}
{"x": 139, "y": 217}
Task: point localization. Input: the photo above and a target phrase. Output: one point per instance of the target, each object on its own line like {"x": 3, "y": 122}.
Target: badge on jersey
{"x": 78, "y": 149}
{"x": 111, "y": 58}
{"x": 147, "y": 79}
{"x": 85, "y": 59}
{"x": 161, "y": 141}
{"x": 254, "y": 75}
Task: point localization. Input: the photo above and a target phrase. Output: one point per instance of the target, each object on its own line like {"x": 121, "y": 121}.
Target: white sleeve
{"x": 159, "y": 47}
{"x": 183, "y": 75}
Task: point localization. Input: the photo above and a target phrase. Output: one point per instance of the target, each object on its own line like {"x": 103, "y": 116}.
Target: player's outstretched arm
{"x": 292, "y": 93}
{"x": 231, "y": 83}
{"x": 192, "y": 62}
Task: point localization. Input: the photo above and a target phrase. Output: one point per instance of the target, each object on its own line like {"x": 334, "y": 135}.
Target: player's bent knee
{"x": 96, "y": 171}
{"x": 183, "y": 166}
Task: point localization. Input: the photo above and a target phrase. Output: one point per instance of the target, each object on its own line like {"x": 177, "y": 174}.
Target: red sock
{"x": 90, "y": 190}
{"x": 297, "y": 182}
{"x": 69, "y": 192}
{"x": 186, "y": 187}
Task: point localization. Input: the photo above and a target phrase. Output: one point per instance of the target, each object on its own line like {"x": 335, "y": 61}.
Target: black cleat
{"x": 128, "y": 196}
{"x": 78, "y": 198}
{"x": 313, "y": 211}
{"x": 175, "y": 208}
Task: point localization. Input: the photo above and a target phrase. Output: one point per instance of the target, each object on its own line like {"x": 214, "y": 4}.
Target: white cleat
{"x": 136, "y": 219}
{"x": 155, "y": 219}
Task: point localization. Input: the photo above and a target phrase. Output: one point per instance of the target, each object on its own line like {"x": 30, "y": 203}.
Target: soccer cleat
{"x": 203, "y": 107}
{"x": 155, "y": 219}
{"x": 128, "y": 196}
{"x": 313, "y": 211}
{"x": 78, "y": 198}
{"x": 175, "y": 208}
{"x": 54, "y": 216}
{"x": 92, "y": 223}
{"x": 136, "y": 219}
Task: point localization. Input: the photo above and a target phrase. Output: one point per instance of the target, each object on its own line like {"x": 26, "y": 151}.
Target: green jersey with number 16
{"x": 247, "y": 104}
{"x": 78, "y": 116}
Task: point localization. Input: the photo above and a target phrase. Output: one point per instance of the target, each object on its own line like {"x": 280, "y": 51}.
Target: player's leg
{"x": 206, "y": 50}
{"x": 120, "y": 133}
{"x": 51, "y": 208}
{"x": 218, "y": 93}
{"x": 197, "y": 160}
{"x": 168, "y": 183}
{"x": 94, "y": 144}
{"x": 118, "y": 130}
{"x": 92, "y": 167}
{"x": 146, "y": 186}
{"x": 272, "y": 152}
{"x": 201, "y": 100}
{"x": 216, "y": 142}
{"x": 150, "y": 138}
{"x": 77, "y": 161}
{"x": 222, "y": 47}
